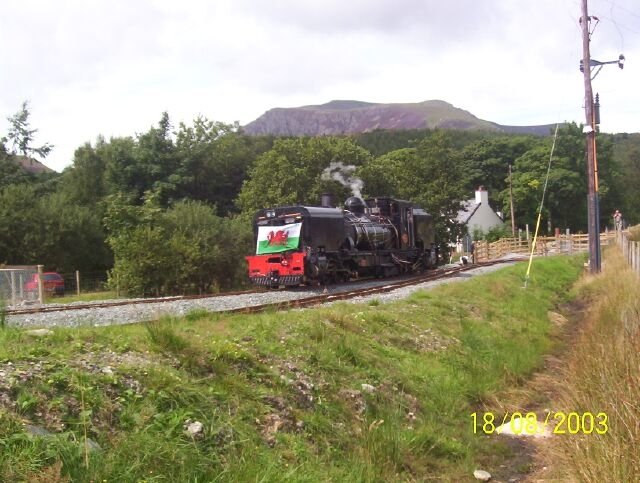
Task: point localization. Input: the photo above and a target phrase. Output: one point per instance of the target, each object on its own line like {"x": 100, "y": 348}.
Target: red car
{"x": 52, "y": 281}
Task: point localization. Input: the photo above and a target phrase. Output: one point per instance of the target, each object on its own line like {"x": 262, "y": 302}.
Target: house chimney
{"x": 482, "y": 196}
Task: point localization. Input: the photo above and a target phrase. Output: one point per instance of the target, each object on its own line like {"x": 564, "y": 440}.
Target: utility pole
{"x": 590, "y": 129}
{"x": 513, "y": 220}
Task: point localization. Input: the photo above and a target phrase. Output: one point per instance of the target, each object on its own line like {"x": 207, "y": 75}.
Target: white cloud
{"x": 111, "y": 67}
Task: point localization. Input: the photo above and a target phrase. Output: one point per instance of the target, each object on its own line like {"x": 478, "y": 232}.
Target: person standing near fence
{"x": 617, "y": 220}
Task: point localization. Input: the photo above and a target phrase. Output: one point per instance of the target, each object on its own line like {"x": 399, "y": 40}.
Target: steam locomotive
{"x": 377, "y": 237}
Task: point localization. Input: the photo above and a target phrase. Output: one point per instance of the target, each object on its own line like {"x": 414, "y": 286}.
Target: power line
{"x": 620, "y": 25}
{"x": 614, "y": 4}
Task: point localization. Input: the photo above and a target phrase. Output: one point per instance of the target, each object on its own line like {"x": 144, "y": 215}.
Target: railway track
{"x": 346, "y": 295}
{"x": 116, "y": 303}
{"x": 339, "y": 292}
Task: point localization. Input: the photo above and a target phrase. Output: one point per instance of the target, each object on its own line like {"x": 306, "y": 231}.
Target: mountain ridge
{"x": 352, "y": 116}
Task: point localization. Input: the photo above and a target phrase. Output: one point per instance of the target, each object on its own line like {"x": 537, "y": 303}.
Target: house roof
{"x": 32, "y": 165}
{"x": 469, "y": 207}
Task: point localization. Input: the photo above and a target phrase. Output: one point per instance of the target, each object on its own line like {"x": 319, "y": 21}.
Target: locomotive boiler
{"x": 322, "y": 244}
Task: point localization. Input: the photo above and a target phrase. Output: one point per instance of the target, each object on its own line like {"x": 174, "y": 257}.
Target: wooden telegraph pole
{"x": 513, "y": 220}
{"x": 590, "y": 130}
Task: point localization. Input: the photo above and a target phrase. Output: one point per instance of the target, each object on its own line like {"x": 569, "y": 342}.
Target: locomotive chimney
{"x": 326, "y": 200}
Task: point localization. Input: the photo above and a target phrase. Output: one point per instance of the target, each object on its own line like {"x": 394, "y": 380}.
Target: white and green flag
{"x": 276, "y": 239}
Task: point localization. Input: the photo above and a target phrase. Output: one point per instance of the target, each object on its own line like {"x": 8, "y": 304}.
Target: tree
{"x": 142, "y": 164}
{"x": 47, "y": 228}
{"x": 429, "y": 175}
{"x": 22, "y": 136}
{"x": 486, "y": 163}
{"x": 292, "y": 172}
{"x": 185, "y": 249}
{"x": 214, "y": 159}
{"x": 565, "y": 204}
{"x": 84, "y": 182}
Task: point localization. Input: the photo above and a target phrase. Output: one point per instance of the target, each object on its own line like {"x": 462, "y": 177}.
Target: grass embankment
{"x": 280, "y": 395}
{"x": 603, "y": 375}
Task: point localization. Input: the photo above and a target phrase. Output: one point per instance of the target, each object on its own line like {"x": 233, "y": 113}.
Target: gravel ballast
{"x": 128, "y": 314}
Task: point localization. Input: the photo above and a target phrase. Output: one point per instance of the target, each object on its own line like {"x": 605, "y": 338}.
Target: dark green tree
{"x": 214, "y": 159}
{"x": 565, "y": 204}
{"x": 486, "y": 163}
{"x": 292, "y": 172}
{"x": 122, "y": 173}
{"x": 428, "y": 175}
{"x": 21, "y": 135}
{"x": 146, "y": 163}
{"x": 84, "y": 181}
{"x": 49, "y": 229}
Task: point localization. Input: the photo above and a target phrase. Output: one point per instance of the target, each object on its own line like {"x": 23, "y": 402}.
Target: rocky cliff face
{"x": 344, "y": 117}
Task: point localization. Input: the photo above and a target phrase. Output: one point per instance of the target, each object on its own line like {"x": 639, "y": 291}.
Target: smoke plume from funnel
{"x": 343, "y": 174}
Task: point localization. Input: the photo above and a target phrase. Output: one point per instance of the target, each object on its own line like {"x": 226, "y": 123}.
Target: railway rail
{"x": 116, "y": 303}
{"x": 346, "y": 295}
{"x": 340, "y": 292}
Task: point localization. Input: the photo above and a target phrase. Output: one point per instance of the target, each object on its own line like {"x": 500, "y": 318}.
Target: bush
{"x": 187, "y": 249}
{"x": 493, "y": 234}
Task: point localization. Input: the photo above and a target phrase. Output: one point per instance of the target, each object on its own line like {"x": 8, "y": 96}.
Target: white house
{"x": 477, "y": 215}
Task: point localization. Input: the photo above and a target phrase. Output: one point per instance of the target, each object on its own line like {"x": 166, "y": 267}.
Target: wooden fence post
{"x": 78, "y": 282}
{"x": 40, "y": 284}
{"x": 13, "y": 287}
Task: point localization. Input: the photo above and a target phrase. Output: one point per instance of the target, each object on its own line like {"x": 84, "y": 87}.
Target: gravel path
{"x": 404, "y": 292}
{"x": 127, "y": 314}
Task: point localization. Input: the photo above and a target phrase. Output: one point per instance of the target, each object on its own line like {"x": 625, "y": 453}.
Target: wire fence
{"x": 21, "y": 285}
{"x": 84, "y": 282}
{"x": 16, "y": 284}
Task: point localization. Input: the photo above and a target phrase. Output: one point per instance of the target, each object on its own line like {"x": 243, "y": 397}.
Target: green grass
{"x": 83, "y": 297}
{"x": 279, "y": 394}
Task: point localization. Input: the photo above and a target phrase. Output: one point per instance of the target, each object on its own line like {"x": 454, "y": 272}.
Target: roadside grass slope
{"x": 375, "y": 392}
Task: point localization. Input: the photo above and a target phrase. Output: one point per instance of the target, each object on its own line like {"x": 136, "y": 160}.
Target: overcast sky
{"x": 97, "y": 67}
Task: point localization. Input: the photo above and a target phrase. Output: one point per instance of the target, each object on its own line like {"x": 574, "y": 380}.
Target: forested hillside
{"x": 168, "y": 210}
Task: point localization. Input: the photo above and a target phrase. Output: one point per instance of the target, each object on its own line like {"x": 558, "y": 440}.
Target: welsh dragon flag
{"x": 276, "y": 239}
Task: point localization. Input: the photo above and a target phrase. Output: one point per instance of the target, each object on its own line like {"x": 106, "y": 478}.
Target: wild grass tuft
{"x": 603, "y": 376}
{"x": 163, "y": 335}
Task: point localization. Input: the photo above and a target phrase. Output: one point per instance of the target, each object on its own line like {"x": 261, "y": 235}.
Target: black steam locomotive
{"x": 309, "y": 244}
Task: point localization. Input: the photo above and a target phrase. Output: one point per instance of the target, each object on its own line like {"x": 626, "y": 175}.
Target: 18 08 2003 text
{"x": 528, "y": 423}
